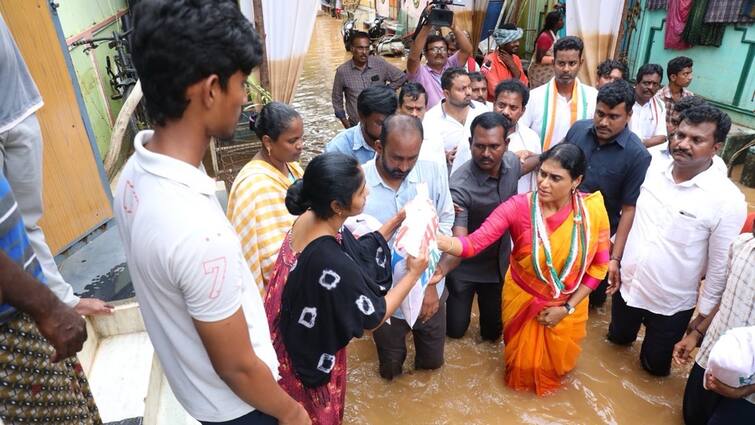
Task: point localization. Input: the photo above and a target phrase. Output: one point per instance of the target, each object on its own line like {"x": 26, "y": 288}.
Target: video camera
{"x": 440, "y": 15}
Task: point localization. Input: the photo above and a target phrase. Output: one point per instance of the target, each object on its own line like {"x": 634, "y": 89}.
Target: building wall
{"x": 78, "y": 17}
{"x": 724, "y": 75}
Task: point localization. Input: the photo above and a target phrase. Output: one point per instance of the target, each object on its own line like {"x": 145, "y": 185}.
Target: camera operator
{"x": 435, "y": 48}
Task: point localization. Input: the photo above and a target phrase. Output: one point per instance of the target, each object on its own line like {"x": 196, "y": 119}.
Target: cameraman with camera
{"x": 435, "y": 49}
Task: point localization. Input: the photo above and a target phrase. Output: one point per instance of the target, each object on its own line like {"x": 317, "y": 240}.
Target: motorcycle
{"x": 348, "y": 28}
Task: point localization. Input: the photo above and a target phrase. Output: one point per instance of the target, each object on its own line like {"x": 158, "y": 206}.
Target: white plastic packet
{"x": 732, "y": 358}
{"x": 419, "y": 227}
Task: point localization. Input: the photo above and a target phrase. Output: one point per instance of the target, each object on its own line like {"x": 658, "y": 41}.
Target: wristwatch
{"x": 569, "y": 308}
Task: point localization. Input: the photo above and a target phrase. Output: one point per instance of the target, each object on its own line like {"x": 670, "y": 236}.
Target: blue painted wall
{"x": 724, "y": 75}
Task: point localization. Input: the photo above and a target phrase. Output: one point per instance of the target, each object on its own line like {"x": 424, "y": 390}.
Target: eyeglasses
{"x": 437, "y": 50}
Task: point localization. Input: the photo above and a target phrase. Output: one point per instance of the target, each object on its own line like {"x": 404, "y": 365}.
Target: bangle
{"x": 702, "y": 335}
{"x": 615, "y": 258}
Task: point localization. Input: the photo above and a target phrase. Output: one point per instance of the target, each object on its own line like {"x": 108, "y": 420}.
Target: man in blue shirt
{"x": 392, "y": 178}
{"x": 616, "y": 165}
{"x": 374, "y": 104}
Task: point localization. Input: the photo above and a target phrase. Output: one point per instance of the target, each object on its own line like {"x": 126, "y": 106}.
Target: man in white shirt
{"x": 194, "y": 288}
{"x": 412, "y": 101}
{"x": 686, "y": 218}
{"x": 649, "y": 113}
{"x": 556, "y": 105}
{"x": 480, "y": 89}
{"x": 448, "y": 122}
{"x": 392, "y": 179}
{"x": 511, "y": 98}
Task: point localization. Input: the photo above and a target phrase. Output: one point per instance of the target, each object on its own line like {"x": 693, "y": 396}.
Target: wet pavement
{"x": 607, "y": 387}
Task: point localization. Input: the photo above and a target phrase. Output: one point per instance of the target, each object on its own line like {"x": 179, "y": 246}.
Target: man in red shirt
{"x": 504, "y": 63}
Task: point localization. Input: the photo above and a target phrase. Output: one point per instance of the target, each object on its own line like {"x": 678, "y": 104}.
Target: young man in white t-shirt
{"x": 200, "y": 304}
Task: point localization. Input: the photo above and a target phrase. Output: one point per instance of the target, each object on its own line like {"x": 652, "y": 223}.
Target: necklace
{"x": 579, "y": 236}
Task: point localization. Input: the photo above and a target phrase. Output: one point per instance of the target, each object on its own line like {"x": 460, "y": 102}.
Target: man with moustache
{"x": 511, "y": 97}
{"x": 435, "y": 48}
{"x": 687, "y": 216}
{"x": 649, "y": 113}
{"x": 555, "y": 106}
{"x": 448, "y": 122}
{"x": 361, "y": 71}
{"x": 504, "y": 63}
{"x": 616, "y": 166}
{"x": 392, "y": 179}
{"x": 480, "y": 89}
{"x": 478, "y": 187}
{"x": 412, "y": 100}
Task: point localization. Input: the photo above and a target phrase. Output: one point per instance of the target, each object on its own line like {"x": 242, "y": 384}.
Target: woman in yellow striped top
{"x": 256, "y": 203}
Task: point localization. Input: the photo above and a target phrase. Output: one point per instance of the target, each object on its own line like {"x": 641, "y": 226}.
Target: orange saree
{"x": 537, "y": 357}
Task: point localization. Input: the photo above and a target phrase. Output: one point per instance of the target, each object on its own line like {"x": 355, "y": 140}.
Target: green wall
{"x": 724, "y": 75}
{"x": 75, "y": 17}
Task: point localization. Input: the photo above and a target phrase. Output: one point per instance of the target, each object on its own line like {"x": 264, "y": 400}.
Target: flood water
{"x": 607, "y": 387}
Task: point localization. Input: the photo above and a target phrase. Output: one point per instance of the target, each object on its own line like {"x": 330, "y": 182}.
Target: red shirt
{"x": 496, "y": 71}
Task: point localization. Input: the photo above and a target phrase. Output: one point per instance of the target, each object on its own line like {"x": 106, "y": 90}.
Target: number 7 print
{"x": 216, "y": 268}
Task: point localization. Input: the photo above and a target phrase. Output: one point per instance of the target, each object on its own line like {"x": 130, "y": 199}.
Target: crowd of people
{"x": 551, "y": 195}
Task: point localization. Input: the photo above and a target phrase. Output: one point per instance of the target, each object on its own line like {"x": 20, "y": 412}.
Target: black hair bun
{"x": 296, "y": 200}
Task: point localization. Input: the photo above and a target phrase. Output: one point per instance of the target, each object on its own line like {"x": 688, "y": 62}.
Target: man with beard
{"x": 478, "y": 187}
{"x": 435, "y": 48}
{"x": 649, "y": 113}
{"x": 504, "y": 63}
{"x": 555, "y": 106}
{"x": 392, "y": 179}
{"x": 616, "y": 164}
{"x": 511, "y": 98}
{"x": 374, "y": 105}
{"x": 448, "y": 122}
{"x": 611, "y": 70}
{"x": 480, "y": 89}
{"x": 362, "y": 71}
{"x": 687, "y": 216}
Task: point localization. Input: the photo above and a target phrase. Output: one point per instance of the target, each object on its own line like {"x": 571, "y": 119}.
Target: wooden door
{"x": 75, "y": 198}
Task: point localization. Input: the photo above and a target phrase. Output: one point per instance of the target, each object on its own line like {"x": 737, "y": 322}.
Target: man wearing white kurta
{"x": 556, "y": 105}
{"x": 687, "y": 216}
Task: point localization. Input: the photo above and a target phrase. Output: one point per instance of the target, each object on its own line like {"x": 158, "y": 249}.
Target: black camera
{"x": 440, "y": 15}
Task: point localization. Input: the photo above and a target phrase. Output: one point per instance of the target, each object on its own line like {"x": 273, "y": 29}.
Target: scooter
{"x": 376, "y": 30}
{"x": 348, "y": 29}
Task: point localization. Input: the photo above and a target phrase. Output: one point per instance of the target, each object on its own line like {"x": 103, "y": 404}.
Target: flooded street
{"x": 608, "y": 386}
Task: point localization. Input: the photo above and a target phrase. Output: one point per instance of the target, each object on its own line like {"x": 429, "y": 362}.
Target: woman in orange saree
{"x": 560, "y": 254}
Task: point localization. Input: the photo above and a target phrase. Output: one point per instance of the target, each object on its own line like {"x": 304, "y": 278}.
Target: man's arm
{"x": 731, "y": 219}
{"x": 415, "y": 53}
{"x": 337, "y": 99}
{"x": 654, "y": 141}
{"x": 465, "y": 46}
{"x": 394, "y": 76}
{"x": 63, "y": 328}
{"x": 200, "y": 264}
{"x": 240, "y": 368}
{"x": 620, "y": 241}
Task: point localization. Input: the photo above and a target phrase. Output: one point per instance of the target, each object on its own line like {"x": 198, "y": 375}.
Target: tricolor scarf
{"x": 577, "y": 106}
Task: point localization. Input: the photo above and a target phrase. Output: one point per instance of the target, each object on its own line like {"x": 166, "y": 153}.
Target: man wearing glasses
{"x": 435, "y": 49}
{"x": 648, "y": 120}
{"x": 362, "y": 71}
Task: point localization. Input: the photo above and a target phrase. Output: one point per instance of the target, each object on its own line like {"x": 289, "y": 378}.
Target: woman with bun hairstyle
{"x": 328, "y": 287}
{"x": 256, "y": 203}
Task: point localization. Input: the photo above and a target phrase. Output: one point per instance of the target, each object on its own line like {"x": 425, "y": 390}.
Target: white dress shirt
{"x": 534, "y": 114}
{"x": 525, "y": 139}
{"x": 681, "y": 232}
{"x": 649, "y": 120}
{"x": 441, "y": 128}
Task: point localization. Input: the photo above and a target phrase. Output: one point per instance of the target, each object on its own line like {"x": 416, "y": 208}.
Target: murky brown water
{"x": 607, "y": 387}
